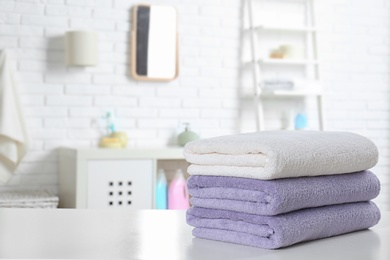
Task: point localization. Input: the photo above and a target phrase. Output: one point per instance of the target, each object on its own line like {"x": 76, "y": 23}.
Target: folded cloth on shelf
{"x": 283, "y": 230}
{"x": 281, "y": 154}
{"x": 272, "y": 197}
{"x": 28, "y": 199}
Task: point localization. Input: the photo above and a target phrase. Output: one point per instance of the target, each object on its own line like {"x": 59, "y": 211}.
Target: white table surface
{"x": 153, "y": 234}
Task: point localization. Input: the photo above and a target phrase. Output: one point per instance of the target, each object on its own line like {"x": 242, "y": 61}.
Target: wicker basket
{"x": 28, "y": 199}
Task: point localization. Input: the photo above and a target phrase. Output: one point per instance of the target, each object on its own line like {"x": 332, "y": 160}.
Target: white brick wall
{"x": 63, "y": 105}
{"x": 354, "y": 50}
{"x": 358, "y": 36}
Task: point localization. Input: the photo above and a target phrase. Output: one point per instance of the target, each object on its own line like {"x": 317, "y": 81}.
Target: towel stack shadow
{"x": 273, "y": 189}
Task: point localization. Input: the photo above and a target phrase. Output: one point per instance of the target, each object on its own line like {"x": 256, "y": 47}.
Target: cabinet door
{"x": 120, "y": 183}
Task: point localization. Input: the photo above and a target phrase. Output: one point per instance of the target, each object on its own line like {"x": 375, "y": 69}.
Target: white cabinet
{"x": 120, "y": 183}
{"x": 112, "y": 178}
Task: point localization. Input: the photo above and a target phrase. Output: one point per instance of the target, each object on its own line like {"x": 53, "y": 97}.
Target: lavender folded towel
{"x": 283, "y": 230}
{"x": 273, "y": 197}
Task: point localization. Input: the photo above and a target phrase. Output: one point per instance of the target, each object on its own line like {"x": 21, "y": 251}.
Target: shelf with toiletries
{"x": 279, "y": 55}
{"x": 171, "y": 189}
{"x": 115, "y": 178}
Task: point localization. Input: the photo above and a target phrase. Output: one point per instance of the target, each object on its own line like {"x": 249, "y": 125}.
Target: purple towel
{"x": 272, "y": 197}
{"x": 283, "y": 230}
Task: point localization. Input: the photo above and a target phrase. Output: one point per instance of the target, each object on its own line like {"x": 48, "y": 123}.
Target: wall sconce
{"x": 81, "y": 48}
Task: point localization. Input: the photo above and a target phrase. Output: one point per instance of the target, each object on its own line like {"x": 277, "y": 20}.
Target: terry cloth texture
{"x": 281, "y": 154}
{"x": 278, "y": 196}
{"x": 283, "y": 230}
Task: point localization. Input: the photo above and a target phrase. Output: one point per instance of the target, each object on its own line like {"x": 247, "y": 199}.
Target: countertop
{"x": 158, "y": 234}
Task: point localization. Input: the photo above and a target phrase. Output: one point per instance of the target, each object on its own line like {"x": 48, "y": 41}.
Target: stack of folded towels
{"x": 273, "y": 189}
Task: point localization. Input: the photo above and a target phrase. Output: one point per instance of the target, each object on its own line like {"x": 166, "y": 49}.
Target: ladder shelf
{"x": 310, "y": 63}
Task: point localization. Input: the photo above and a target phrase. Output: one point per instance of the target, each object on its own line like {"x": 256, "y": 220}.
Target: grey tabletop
{"x": 154, "y": 234}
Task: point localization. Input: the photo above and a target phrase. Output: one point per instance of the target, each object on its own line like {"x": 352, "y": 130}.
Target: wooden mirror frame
{"x": 133, "y": 52}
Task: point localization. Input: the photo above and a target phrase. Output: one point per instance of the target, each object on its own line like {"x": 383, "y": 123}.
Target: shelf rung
{"x": 285, "y": 28}
{"x": 291, "y": 93}
{"x": 288, "y": 61}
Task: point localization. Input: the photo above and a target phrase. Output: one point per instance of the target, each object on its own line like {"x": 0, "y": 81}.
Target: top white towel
{"x": 13, "y": 133}
{"x": 281, "y": 154}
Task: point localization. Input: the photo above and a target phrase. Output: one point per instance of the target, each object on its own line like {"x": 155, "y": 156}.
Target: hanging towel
{"x": 283, "y": 230}
{"x": 13, "y": 133}
{"x": 272, "y": 197}
{"x": 281, "y": 154}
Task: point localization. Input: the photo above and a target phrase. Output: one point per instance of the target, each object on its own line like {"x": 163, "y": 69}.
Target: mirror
{"x": 154, "y": 45}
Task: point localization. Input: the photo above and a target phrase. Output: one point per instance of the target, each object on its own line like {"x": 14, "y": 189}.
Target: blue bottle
{"x": 301, "y": 121}
{"x": 161, "y": 190}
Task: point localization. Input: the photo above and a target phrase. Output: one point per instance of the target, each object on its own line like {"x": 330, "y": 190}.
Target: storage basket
{"x": 28, "y": 199}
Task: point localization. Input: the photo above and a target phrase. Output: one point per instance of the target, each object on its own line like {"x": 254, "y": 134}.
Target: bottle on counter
{"x": 301, "y": 122}
{"x": 178, "y": 197}
{"x": 161, "y": 190}
{"x": 187, "y": 136}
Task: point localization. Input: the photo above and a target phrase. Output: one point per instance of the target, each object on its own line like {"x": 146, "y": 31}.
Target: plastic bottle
{"x": 178, "y": 197}
{"x": 186, "y": 136}
{"x": 301, "y": 121}
{"x": 161, "y": 190}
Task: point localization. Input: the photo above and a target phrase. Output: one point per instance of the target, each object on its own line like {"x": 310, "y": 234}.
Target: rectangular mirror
{"x": 154, "y": 44}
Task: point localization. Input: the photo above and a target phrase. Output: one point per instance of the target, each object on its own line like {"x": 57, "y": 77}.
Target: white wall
{"x": 354, "y": 50}
{"x": 62, "y": 104}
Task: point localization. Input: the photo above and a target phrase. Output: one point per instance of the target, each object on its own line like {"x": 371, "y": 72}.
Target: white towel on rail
{"x": 281, "y": 154}
{"x": 13, "y": 133}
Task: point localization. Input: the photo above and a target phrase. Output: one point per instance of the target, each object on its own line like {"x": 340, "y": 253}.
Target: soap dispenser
{"x": 178, "y": 197}
{"x": 187, "y": 136}
{"x": 161, "y": 190}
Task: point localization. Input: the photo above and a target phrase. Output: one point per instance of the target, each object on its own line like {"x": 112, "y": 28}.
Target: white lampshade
{"x": 81, "y": 48}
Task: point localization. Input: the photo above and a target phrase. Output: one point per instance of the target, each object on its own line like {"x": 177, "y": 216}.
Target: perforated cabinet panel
{"x": 120, "y": 183}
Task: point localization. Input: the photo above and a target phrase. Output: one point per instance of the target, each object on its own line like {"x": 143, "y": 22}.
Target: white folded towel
{"x": 281, "y": 154}
{"x": 13, "y": 134}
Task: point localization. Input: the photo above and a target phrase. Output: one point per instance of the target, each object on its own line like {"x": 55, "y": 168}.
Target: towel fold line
{"x": 242, "y": 198}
